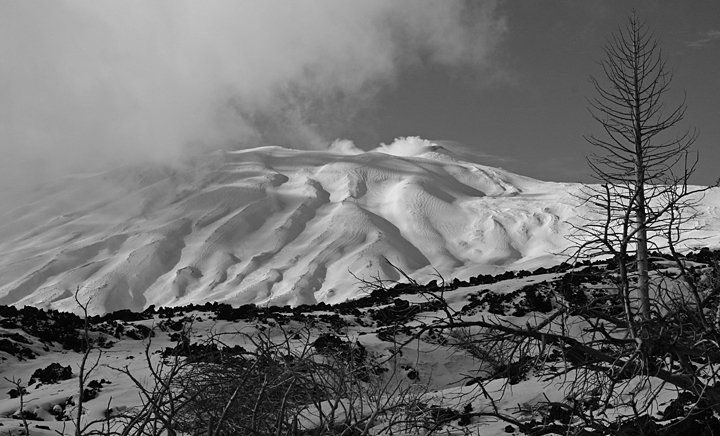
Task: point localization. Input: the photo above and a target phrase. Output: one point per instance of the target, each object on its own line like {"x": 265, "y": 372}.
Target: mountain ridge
{"x": 277, "y": 226}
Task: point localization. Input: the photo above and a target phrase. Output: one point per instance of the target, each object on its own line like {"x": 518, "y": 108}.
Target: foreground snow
{"x": 430, "y": 373}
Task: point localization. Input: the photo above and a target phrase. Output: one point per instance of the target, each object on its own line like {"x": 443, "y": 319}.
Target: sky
{"x": 87, "y": 83}
{"x": 533, "y": 119}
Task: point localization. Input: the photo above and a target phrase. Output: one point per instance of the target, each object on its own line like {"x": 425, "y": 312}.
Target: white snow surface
{"x": 442, "y": 370}
{"x": 278, "y": 226}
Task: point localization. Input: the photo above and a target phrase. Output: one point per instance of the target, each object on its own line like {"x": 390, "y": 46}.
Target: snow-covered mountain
{"x": 278, "y": 226}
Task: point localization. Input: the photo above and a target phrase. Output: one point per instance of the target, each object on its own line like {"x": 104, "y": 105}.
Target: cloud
{"x": 707, "y": 38}
{"x": 410, "y": 146}
{"x": 85, "y": 82}
{"x": 344, "y": 146}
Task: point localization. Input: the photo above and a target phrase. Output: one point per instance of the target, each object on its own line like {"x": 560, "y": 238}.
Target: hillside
{"x": 392, "y": 354}
{"x": 278, "y": 226}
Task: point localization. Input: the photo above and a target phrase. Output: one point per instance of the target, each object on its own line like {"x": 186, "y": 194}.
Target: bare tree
{"x": 86, "y": 366}
{"x": 601, "y": 370}
{"x": 643, "y": 168}
{"x": 21, "y": 392}
{"x": 290, "y": 384}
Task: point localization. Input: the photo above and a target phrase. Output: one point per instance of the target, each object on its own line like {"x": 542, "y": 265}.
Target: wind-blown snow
{"x": 277, "y": 226}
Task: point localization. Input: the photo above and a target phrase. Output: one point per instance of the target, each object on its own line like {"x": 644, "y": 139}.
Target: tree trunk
{"x": 640, "y": 213}
{"x": 642, "y": 261}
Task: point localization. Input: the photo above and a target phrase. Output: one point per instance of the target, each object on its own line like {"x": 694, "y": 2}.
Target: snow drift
{"x": 277, "y": 226}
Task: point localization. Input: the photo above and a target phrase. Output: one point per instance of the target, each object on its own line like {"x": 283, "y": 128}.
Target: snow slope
{"x": 277, "y": 226}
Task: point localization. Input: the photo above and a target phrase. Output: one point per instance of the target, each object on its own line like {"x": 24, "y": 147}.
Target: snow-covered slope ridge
{"x": 272, "y": 226}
